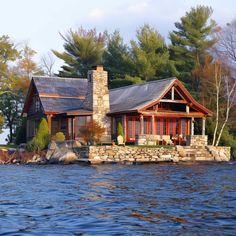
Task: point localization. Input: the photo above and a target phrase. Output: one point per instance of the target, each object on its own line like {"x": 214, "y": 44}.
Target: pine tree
{"x": 117, "y": 59}
{"x": 190, "y": 42}
{"x": 150, "y": 55}
{"x": 83, "y": 49}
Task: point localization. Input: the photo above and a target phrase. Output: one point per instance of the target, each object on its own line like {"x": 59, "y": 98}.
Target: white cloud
{"x": 137, "y": 8}
{"x": 96, "y": 14}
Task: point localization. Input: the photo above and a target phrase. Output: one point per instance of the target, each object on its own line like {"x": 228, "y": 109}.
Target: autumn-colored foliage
{"x": 92, "y": 132}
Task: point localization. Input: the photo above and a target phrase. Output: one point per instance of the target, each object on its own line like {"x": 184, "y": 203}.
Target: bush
{"x": 92, "y": 132}
{"x": 59, "y": 137}
{"x": 120, "y": 130}
{"x": 41, "y": 139}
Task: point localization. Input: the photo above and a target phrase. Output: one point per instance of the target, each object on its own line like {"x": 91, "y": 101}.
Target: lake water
{"x": 161, "y": 199}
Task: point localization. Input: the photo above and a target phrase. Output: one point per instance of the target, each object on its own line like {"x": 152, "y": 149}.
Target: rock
{"x": 69, "y": 157}
{"x": 77, "y": 143}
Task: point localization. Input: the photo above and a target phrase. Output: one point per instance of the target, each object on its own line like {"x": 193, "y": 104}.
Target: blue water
{"x": 163, "y": 199}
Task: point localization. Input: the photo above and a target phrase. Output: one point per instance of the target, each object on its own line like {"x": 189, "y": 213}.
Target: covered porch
{"x": 68, "y": 123}
{"x": 158, "y": 129}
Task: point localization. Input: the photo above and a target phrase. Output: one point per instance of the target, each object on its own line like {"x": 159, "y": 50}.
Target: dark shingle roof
{"x": 64, "y": 87}
{"x": 61, "y": 86}
{"x": 126, "y": 98}
{"x": 136, "y": 96}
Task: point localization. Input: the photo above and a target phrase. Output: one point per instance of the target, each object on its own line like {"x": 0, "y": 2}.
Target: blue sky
{"x": 38, "y": 22}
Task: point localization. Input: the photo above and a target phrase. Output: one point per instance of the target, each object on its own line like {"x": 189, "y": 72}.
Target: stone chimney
{"x": 98, "y": 95}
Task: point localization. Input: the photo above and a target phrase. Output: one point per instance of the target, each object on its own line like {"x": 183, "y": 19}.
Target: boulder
{"x": 68, "y": 157}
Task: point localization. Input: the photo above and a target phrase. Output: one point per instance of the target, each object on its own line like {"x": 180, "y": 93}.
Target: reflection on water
{"x": 164, "y": 199}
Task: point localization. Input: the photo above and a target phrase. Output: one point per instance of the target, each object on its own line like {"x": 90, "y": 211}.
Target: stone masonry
{"x": 98, "y": 95}
{"x": 196, "y": 140}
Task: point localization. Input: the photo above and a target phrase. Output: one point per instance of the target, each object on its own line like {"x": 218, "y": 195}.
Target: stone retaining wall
{"x": 196, "y": 140}
{"x": 113, "y": 154}
{"x": 219, "y": 153}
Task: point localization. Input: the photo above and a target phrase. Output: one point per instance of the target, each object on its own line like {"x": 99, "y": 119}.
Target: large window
{"x": 133, "y": 127}
{"x": 83, "y": 120}
{"x": 147, "y": 125}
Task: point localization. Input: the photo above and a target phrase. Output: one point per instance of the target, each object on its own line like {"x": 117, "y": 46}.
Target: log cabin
{"x": 156, "y": 111}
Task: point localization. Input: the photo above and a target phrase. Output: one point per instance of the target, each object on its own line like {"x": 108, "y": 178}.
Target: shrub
{"x": 92, "y": 132}
{"x": 59, "y": 137}
{"x": 41, "y": 139}
{"x": 120, "y": 130}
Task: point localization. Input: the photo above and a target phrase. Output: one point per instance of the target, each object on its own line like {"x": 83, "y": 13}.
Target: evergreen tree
{"x": 190, "y": 42}
{"x": 42, "y": 137}
{"x": 117, "y": 59}
{"x": 83, "y": 49}
{"x": 150, "y": 55}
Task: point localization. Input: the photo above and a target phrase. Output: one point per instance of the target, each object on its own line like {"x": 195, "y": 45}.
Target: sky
{"x": 39, "y": 22}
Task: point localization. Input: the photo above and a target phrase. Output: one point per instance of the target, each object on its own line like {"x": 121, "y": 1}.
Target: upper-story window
{"x": 37, "y": 103}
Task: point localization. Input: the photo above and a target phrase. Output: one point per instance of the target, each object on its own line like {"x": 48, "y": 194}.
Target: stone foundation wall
{"x": 196, "y": 140}
{"x": 106, "y": 154}
{"x": 220, "y": 153}
{"x": 72, "y": 152}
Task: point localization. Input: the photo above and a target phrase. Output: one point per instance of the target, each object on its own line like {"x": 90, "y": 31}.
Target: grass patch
{"x": 152, "y": 146}
{"x": 7, "y": 146}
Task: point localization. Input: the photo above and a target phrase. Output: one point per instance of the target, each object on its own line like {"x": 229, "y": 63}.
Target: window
{"x": 83, "y": 120}
{"x": 158, "y": 126}
{"x": 146, "y": 125}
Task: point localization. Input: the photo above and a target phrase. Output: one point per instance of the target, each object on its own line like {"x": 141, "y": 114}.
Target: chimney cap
{"x": 98, "y": 67}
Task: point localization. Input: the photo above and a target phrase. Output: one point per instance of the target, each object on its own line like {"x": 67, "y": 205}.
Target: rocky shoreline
{"x": 73, "y": 152}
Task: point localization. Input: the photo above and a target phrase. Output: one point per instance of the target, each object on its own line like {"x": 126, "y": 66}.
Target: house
{"x": 153, "y": 110}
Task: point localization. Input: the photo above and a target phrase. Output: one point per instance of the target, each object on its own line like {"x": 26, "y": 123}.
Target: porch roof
{"x": 130, "y": 98}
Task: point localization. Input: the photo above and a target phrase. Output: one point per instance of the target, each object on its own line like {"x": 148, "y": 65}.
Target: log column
{"x": 203, "y": 126}
{"x": 141, "y": 125}
{"x": 192, "y": 126}
{"x": 153, "y": 124}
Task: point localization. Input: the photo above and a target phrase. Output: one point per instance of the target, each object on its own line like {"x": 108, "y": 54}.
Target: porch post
{"x": 124, "y": 126}
{"x": 153, "y": 124}
{"x": 49, "y": 118}
{"x": 173, "y": 93}
{"x": 187, "y": 109}
{"x": 141, "y": 124}
{"x": 203, "y": 126}
{"x": 192, "y": 126}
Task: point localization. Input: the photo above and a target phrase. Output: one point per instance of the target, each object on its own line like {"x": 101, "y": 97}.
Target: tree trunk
{"x": 11, "y": 134}
{"x": 217, "y": 85}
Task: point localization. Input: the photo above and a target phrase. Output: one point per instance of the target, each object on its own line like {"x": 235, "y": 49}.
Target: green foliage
{"x": 150, "y": 55}
{"x": 83, "y": 49}
{"x": 59, "y": 137}
{"x": 117, "y": 57}
{"x": 116, "y": 83}
{"x": 41, "y": 139}
{"x": 228, "y": 139}
{"x": 128, "y": 80}
{"x": 120, "y": 130}
{"x": 134, "y": 80}
{"x": 21, "y": 132}
{"x": 190, "y": 41}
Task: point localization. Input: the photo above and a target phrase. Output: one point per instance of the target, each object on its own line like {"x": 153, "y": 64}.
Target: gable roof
{"x": 59, "y": 95}
{"x": 136, "y": 96}
{"x": 67, "y": 95}
{"x": 141, "y": 96}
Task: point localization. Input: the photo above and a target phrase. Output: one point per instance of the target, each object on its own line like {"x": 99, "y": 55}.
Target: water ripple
{"x": 164, "y": 199}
